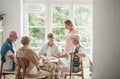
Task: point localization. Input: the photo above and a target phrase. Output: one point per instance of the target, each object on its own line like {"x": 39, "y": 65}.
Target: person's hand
{"x": 41, "y": 57}
{"x": 55, "y": 55}
{"x": 71, "y": 53}
{"x": 44, "y": 61}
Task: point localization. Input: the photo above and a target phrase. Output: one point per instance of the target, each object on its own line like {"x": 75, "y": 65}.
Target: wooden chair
{"x": 80, "y": 74}
{"x": 4, "y": 73}
{"x": 91, "y": 67}
{"x": 23, "y": 63}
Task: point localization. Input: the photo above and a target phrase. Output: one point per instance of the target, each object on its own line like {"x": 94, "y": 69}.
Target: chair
{"x": 81, "y": 73}
{"x": 91, "y": 67}
{"x": 4, "y": 73}
{"x": 23, "y": 63}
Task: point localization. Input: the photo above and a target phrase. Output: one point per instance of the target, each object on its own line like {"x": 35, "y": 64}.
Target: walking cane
{"x": 70, "y": 66}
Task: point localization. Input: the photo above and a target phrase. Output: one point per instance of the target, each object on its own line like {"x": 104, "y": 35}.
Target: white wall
{"x": 106, "y": 39}
{"x": 12, "y": 20}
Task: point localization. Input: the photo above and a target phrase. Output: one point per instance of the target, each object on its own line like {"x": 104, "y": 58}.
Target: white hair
{"x": 75, "y": 36}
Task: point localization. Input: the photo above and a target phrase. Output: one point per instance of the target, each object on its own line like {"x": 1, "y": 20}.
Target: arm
{"x": 43, "y": 49}
{"x": 10, "y": 54}
{"x": 12, "y": 57}
{"x": 60, "y": 56}
{"x": 81, "y": 53}
{"x": 56, "y": 51}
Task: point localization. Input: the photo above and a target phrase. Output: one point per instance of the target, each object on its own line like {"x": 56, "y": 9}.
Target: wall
{"x": 106, "y": 39}
{"x": 12, "y": 20}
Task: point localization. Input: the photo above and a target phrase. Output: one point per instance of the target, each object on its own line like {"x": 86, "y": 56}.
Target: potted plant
{"x": 1, "y": 18}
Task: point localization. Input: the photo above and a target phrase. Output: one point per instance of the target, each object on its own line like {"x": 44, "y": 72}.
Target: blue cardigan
{"x": 7, "y": 45}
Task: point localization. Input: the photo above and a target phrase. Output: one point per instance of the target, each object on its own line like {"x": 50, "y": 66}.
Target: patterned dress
{"x": 52, "y": 67}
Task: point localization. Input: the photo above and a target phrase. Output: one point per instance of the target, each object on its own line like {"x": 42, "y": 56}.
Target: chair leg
{"x": 4, "y": 76}
{"x": 0, "y": 76}
{"x": 82, "y": 76}
{"x": 65, "y": 76}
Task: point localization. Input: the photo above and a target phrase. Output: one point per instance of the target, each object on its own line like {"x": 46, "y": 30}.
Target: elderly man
{"x": 77, "y": 53}
{"x": 8, "y": 52}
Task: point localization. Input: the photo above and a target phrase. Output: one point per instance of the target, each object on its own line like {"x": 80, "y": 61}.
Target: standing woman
{"x": 71, "y": 30}
{"x": 68, "y": 44}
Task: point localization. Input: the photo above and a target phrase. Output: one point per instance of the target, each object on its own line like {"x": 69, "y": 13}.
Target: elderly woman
{"x": 28, "y": 53}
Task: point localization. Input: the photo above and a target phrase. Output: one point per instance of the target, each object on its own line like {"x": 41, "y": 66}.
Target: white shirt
{"x": 48, "y": 54}
{"x": 81, "y": 51}
{"x": 8, "y": 63}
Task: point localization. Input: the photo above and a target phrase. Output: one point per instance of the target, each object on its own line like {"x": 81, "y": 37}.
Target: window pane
{"x": 36, "y": 19}
{"x": 37, "y": 38}
{"x": 83, "y": 20}
{"x": 59, "y": 14}
{"x": 59, "y": 34}
{"x": 85, "y": 34}
{"x": 82, "y": 15}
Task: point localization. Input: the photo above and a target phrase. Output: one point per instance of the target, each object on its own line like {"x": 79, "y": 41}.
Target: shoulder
{"x": 81, "y": 49}
{"x": 74, "y": 31}
{"x": 46, "y": 44}
{"x": 55, "y": 44}
{"x": 29, "y": 49}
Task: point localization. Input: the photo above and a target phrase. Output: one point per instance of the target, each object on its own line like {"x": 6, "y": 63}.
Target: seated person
{"x": 48, "y": 52}
{"x": 8, "y": 52}
{"x": 77, "y": 53}
{"x": 27, "y": 52}
{"x": 50, "y": 49}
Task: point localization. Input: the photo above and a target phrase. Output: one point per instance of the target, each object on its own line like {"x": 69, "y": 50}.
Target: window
{"x": 59, "y": 14}
{"x": 51, "y": 19}
{"x": 36, "y": 25}
{"x": 82, "y": 19}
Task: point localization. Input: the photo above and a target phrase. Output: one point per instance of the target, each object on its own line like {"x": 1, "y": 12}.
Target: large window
{"x": 83, "y": 22}
{"x": 36, "y": 29}
{"x": 39, "y": 24}
{"x": 51, "y": 19}
{"x": 59, "y": 14}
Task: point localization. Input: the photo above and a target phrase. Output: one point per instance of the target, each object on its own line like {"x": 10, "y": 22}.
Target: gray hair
{"x": 75, "y": 36}
{"x": 25, "y": 40}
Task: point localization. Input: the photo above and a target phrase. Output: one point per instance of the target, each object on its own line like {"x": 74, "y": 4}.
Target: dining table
{"x": 51, "y": 65}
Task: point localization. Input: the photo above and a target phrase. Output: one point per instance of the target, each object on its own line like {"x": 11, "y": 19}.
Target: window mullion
{"x": 71, "y": 11}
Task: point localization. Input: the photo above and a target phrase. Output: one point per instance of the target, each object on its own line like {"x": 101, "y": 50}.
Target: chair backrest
{"x": 76, "y": 74}
{"x": 82, "y": 68}
{"x": 2, "y": 72}
{"x": 23, "y": 63}
{"x": 1, "y": 69}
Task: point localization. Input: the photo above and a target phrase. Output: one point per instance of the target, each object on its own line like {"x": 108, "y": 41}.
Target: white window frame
{"x": 48, "y": 20}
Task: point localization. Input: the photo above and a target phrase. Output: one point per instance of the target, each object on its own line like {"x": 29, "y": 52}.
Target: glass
{"x": 59, "y": 15}
{"x": 83, "y": 21}
{"x": 36, "y": 19}
{"x": 59, "y": 34}
{"x": 37, "y": 38}
{"x": 82, "y": 15}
